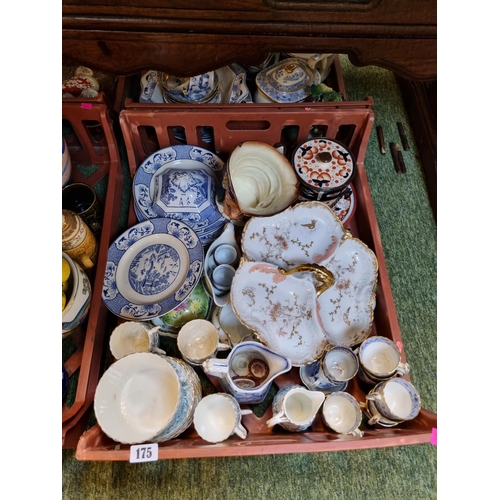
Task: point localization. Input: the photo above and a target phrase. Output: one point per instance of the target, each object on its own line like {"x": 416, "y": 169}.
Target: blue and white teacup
{"x": 395, "y": 399}
{"x": 380, "y": 359}
{"x": 342, "y": 413}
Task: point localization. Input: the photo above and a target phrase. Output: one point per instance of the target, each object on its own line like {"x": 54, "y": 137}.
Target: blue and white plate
{"x": 182, "y": 156}
{"x": 152, "y": 268}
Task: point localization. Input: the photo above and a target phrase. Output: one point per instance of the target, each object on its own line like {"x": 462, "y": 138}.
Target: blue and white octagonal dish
{"x": 152, "y": 268}
{"x": 189, "y": 196}
{"x": 150, "y": 186}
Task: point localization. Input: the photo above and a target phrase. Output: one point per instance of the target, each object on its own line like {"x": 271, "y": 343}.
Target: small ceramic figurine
{"x": 81, "y": 84}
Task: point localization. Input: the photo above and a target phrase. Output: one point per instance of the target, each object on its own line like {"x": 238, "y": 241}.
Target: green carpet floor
{"x": 409, "y": 239}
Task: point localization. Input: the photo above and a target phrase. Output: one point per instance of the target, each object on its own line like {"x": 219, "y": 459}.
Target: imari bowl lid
{"x": 324, "y": 164}
{"x": 289, "y": 80}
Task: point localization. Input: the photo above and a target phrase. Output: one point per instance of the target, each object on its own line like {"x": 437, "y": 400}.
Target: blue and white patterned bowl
{"x": 152, "y": 268}
{"x": 289, "y": 80}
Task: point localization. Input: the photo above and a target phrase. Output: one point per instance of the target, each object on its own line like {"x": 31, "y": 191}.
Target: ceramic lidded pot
{"x": 78, "y": 241}
{"x": 289, "y": 80}
{"x": 324, "y": 168}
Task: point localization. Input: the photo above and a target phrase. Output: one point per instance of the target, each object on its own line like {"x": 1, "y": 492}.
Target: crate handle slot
{"x": 248, "y": 125}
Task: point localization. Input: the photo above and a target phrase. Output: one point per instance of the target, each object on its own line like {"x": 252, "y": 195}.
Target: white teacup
{"x": 198, "y": 340}
{"x": 218, "y": 416}
{"x": 132, "y": 337}
{"x": 380, "y": 358}
{"x": 342, "y": 413}
{"x": 340, "y": 364}
{"x": 395, "y": 399}
{"x": 294, "y": 408}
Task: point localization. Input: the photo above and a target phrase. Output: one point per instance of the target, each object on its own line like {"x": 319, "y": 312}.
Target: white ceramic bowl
{"x": 137, "y": 397}
{"x": 78, "y": 297}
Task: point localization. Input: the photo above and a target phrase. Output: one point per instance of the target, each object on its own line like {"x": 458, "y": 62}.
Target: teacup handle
{"x": 374, "y": 420}
{"x": 277, "y": 419}
{"x": 157, "y": 350}
{"x": 403, "y": 369}
{"x": 321, "y": 273}
{"x": 215, "y": 366}
{"x": 240, "y": 431}
{"x": 357, "y": 433}
{"x": 223, "y": 347}
{"x": 374, "y": 396}
{"x": 246, "y": 412}
{"x": 152, "y": 331}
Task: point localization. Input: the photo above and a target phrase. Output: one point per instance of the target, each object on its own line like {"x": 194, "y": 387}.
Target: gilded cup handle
{"x": 321, "y": 273}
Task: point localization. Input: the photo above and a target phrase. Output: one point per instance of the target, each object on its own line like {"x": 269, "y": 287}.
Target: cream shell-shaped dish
{"x": 310, "y": 232}
{"x": 263, "y": 180}
{"x": 281, "y": 309}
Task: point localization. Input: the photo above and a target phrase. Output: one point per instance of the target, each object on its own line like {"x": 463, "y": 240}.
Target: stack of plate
{"x": 180, "y": 182}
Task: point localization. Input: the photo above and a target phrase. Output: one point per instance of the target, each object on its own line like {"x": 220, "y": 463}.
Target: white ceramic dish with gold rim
{"x": 310, "y": 233}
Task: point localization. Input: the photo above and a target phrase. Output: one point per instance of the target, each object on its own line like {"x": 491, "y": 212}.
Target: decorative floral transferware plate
{"x": 182, "y": 156}
{"x": 152, "y": 268}
{"x": 308, "y": 233}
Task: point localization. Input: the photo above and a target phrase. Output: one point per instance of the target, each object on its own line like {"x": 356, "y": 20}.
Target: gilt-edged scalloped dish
{"x": 310, "y": 233}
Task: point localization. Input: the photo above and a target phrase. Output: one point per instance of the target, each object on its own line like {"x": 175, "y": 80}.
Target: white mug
{"x": 198, "y": 340}
{"x": 218, "y": 416}
{"x": 133, "y": 336}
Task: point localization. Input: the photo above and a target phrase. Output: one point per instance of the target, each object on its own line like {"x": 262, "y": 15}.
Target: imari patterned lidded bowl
{"x": 304, "y": 282}
{"x": 289, "y": 80}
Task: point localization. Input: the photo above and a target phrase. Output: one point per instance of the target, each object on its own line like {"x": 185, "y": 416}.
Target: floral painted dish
{"x": 308, "y": 233}
{"x": 181, "y": 156}
{"x": 280, "y": 308}
{"x": 151, "y": 269}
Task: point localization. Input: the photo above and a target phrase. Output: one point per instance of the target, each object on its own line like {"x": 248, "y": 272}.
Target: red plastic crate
{"x": 148, "y": 129}
{"x": 93, "y": 147}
